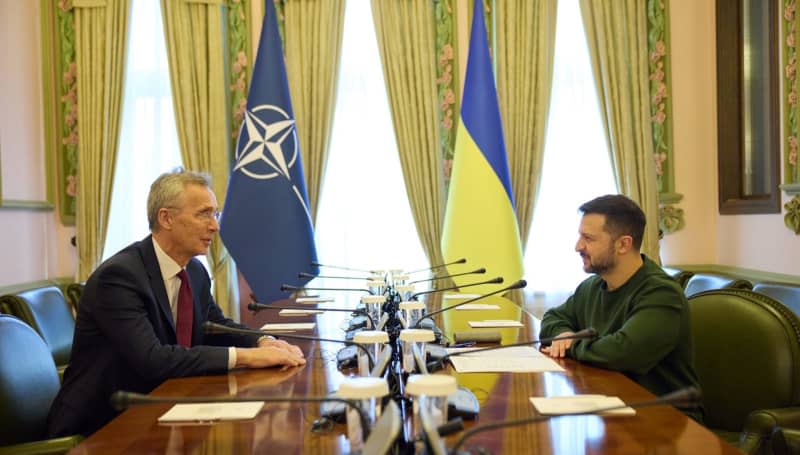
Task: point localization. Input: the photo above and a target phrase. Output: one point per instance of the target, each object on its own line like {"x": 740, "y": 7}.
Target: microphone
{"x": 588, "y": 333}
{"x": 687, "y": 397}
{"x": 480, "y": 270}
{"x": 495, "y": 280}
{"x": 517, "y": 285}
{"x": 256, "y": 307}
{"x": 286, "y": 287}
{"x": 458, "y": 261}
{"x": 122, "y": 400}
{"x": 213, "y": 327}
{"x": 312, "y": 276}
{"x": 317, "y": 264}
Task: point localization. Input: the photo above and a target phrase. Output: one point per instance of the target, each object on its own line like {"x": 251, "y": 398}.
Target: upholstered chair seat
{"x": 747, "y": 356}
{"x": 28, "y": 384}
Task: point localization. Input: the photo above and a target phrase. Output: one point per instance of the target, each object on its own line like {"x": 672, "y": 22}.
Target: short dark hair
{"x": 623, "y": 216}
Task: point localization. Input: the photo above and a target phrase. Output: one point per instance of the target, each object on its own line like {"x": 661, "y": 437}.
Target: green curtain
{"x": 313, "y": 42}
{"x": 100, "y": 43}
{"x": 617, "y": 35}
{"x": 406, "y": 40}
{"x": 194, "y": 39}
{"x": 525, "y": 40}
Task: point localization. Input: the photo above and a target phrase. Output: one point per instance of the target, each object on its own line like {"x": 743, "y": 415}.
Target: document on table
{"x": 580, "y": 403}
{"x": 288, "y": 327}
{"x": 210, "y": 412}
{"x": 313, "y": 300}
{"x": 461, "y": 296}
{"x": 517, "y": 359}
{"x": 478, "y": 306}
{"x": 289, "y": 312}
{"x": 495, "y": 323}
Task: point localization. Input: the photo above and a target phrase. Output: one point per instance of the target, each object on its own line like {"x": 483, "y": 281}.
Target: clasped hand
{"x": 558, "y": 348}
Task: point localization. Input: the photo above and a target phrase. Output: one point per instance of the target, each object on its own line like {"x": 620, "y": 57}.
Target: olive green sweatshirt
{"x": 643, "y": 329}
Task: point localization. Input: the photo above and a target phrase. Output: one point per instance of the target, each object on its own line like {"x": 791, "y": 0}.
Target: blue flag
{"x": 266, "y": 222}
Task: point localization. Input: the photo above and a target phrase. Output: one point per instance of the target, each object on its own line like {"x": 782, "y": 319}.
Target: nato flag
{"x": 266, "y": 223}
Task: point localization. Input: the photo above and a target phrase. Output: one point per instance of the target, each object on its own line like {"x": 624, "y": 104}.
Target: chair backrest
{"x": 747, "y": 355}
{"x": 700, "y": 282}
{"x": 681, "y": 276}
{"x": 787, "y": 294}
{"x": 74, "y": 292}
{"x": 28, "y": 382}
{"x": 47, "y": 311}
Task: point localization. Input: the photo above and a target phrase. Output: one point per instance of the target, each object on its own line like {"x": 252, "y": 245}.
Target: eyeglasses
{"x": 209, "y": 214}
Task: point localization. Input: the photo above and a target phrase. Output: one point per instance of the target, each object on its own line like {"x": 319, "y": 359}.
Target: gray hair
{"x": 168, "y": 188}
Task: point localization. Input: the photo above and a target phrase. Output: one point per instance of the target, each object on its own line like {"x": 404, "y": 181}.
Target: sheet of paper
{"x": 495, "y": 323}
{"x": 313, "y": 299}
{"x": 461, "y": 296}
{"x": 288, "y": 327}
{"x": 579, "y": 403}
{"x": 478, "y": 306}
{"x": 209, "y": 412}
{"x": 495, "y": 364}
{"x": 288, "y": 312}
{"x": 513, "y": 351}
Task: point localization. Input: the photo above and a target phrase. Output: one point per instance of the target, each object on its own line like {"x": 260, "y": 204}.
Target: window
{"x": 576, "y": 166}
{"x": 148, "y": 140}
{"x": 364, "y": 218}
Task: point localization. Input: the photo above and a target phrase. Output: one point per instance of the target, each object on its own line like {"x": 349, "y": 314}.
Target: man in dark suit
{"x": 140, "y": 318}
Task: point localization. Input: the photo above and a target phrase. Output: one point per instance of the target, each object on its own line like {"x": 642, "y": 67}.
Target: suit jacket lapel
{"x": 156, "y": 281}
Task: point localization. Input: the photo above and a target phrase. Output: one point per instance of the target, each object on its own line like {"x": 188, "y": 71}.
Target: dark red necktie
{"x": 183, "y": 327}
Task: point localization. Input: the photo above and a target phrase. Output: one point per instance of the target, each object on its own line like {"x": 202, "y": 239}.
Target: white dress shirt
{"x": 169, "y": 273}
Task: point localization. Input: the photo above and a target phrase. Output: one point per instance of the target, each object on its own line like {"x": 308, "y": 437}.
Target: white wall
{"x": 34, "y": 244}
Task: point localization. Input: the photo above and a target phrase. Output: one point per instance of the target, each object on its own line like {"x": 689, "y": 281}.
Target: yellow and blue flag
{"x": 480, "y": 222}
{"x": 266, "y": 225}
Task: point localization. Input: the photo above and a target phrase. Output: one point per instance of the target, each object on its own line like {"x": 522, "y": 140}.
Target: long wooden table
{"x": 287, "y": 428}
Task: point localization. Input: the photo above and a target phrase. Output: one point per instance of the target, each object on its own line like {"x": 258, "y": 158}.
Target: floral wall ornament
{"x": 446, "y": 83}
{"x": 670, "y": 219}
{"x": 238, "y": 65}
{"x": 661, "y": 113}
{"x": 792, "y": 217}
{"x": 790, "y": 30}
{"x": 68, "y": 111}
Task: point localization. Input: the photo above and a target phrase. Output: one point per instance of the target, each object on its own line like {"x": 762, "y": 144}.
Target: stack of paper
{"x": 212, "y": 412}
{"x": 478, "y": 306}
{"x": 495, "y": 323}
{"x": 580, "y": 403}
{"x": 518, "y": 359}
{"x": 288, "y": 312}
{"x": 289, "y": 327}
{"x": 313, "y": 299}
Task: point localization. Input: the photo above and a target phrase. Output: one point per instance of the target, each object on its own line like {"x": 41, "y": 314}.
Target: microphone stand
{"x": 458, "y": 261}
{"x": 495, "y": 280}
{"x": 686, "y": 397}
{"x": 286, "y": 287}
{"x": 121, "y": 400}
{"x": 476, "y": 271}
{"x": 588, "y": 333}
{"x": 517, "y": 285}
{"x": 256, "y": 307}
{"x": 327, "y": 277}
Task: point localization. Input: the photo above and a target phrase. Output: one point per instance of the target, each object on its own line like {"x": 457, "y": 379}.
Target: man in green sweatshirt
{"x": 640, "y": 313}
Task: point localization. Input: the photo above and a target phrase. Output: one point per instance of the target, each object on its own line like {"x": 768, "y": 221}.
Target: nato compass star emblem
{"x": 271, "y": 148}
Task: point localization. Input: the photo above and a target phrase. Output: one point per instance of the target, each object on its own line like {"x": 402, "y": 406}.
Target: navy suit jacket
{"x": 125, "y": 339}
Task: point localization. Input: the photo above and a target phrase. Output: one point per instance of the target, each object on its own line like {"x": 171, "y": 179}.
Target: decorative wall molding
{"x": 670, "y": 217}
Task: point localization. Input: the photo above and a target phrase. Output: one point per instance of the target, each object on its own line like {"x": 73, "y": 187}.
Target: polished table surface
{"x": 287, "y": 428}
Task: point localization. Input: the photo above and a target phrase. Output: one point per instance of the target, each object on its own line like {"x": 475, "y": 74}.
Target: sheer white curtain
{"x": 149, "y": 140}
{"x": 576, "y": 162}
{"x": 364, "y": 218}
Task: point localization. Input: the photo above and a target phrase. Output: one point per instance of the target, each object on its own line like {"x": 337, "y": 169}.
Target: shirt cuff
{"x": 231, "y": 358}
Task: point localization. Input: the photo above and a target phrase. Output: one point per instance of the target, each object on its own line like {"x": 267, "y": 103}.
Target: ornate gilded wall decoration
{"x": 68, "y": 112}
{"x": 661, "y": 112}
{"x": 792, "y": 217}
{"x": 238, "y": 63}
{"x": 446, "y": 69}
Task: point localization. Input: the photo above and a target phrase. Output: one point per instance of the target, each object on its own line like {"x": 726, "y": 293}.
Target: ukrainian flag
{"x": 480, "y": 222}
